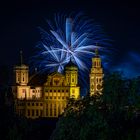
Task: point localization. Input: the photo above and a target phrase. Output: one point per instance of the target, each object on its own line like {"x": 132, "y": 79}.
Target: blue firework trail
{"x": 72, "y": 37}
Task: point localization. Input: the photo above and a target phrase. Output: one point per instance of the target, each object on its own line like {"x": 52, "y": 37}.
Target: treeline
{"x": 14, "y": 127}
{"x": 115, "y": 115}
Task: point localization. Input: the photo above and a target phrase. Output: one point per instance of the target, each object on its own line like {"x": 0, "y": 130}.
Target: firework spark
{"x": 72, "y": 37}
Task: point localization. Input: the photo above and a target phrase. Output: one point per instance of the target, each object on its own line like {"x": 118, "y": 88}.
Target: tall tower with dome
{"x": 96, "y": 75}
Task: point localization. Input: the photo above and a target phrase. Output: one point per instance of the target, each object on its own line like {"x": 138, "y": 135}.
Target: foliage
{"x": 113, "y": 115}
{"x": 81, "y": 120}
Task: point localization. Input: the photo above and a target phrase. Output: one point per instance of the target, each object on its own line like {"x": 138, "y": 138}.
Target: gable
{"x": 56, "y": 74}
{"x": 55, "y": 79}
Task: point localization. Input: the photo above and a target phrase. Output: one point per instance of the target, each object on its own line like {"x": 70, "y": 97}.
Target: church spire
{"x": 96, "y": 50}
{"x": 21, "y": 57}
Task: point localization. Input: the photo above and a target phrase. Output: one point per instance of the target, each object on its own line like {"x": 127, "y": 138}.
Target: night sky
{"x": 120, "y": 21}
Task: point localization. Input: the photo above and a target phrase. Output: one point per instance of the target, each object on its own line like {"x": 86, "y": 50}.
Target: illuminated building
{"x": 96, "y": 75}
{"x": 46, "y": 100}
{"x": 50, "y": 98}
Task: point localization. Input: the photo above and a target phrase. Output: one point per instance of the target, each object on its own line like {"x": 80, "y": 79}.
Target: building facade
{"x": 47, "y": 100}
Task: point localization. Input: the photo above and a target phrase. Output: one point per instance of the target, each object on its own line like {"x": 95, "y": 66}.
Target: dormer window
{"x": 94, "y": 63}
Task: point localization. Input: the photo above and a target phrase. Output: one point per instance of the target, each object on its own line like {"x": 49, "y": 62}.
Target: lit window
{"x": 28, "y": 112}
{"x": 23, "y": 90}
{"x": 97, "y": 80}
{"x": 73, "y": 91}
{"x": 72, "y": 79}
{"x": 50, "y": 109}
{"x": 37, "y": 113}
{"x": 33, "y": 112}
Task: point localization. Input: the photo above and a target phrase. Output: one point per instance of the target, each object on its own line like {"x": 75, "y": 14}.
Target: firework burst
{"x": 72, "y": 37}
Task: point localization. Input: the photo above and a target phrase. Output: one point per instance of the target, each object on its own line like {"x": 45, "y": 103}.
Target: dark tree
{"x": 113, "y": 115}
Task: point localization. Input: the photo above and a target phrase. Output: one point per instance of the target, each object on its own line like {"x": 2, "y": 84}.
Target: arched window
{"x": 72, "y": 79}
{"x": 94, "y": 63}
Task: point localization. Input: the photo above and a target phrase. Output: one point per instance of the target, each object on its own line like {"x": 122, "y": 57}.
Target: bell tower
{"x": 71, "y": 75}
{"x": 21, "y": 73}
{"x": 96, "y": 75}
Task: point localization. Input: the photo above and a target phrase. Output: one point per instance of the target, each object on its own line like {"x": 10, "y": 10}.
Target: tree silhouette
{"x": 112, "y": 115}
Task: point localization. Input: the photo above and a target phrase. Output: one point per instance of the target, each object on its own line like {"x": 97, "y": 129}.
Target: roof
{"x": 56, "y": 74}
{"x": 70, "y": 65}
{"x": 38, "y": 79}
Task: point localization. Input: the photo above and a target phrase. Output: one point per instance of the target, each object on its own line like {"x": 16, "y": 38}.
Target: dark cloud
{"x": 130, "y": 65}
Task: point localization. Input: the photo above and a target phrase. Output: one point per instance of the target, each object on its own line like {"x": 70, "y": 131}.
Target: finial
{"x": 96, "y": 50}
{"x": 21, "y": 58}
